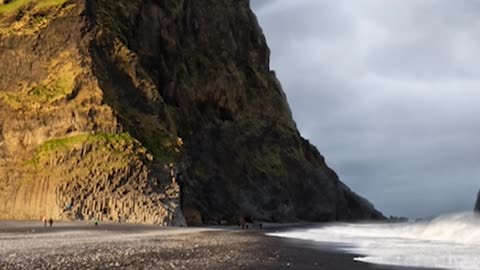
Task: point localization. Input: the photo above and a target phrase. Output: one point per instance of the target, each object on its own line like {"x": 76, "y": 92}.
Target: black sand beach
{"x": 27, "y": 245}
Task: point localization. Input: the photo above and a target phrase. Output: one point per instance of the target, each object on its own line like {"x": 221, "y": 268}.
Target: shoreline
{"x": 80, "y": 245}
{"x": 331, "y": 257}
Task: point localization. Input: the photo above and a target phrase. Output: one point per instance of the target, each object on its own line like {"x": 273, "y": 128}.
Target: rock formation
{"x": 477, "y": 203}
{"x": 138, "y": 109}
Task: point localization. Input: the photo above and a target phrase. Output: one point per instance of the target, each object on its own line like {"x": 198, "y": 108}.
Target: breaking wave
{"x": 448, "y": 242}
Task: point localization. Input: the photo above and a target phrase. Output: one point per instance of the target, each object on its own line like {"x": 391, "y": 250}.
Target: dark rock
{"x": 477, "y": 203}
{"x": 395, "y": 219}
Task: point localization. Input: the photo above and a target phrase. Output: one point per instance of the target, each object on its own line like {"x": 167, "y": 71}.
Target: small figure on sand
{"x": 44, "y": 221}
{"x": 50, "y": 221}
{"x": 96, "y": 222}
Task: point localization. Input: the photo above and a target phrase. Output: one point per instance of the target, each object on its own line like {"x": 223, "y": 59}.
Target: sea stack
{"x": 141, "y": 110}
{"x": 477, "y": 204}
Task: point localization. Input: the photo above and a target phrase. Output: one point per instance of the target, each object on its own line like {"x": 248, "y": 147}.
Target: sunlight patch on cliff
{"x": 17, "y": 4}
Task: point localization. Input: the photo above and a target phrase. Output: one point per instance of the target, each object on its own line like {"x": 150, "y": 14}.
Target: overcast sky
{"x": 389, "y": 92}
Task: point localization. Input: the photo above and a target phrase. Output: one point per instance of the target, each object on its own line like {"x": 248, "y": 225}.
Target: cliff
{"x": 138, "y": 109}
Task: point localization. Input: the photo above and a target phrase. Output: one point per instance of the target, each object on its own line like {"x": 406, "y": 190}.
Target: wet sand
{"x": 27, "y": 245}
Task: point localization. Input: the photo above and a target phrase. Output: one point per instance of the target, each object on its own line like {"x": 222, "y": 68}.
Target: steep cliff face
{"x": 64, "y": 153}
{"x": 131, "y": 109}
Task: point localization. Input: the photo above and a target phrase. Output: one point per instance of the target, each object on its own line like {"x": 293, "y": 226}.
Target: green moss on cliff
{"x": 153, "y": 135}
{"x": 119, "y": 146}
{"x": 63, "y": 143}
{"x": 269, "y": 161}
{"x": 17, "y": 4}
{"x": 45, "y": 93}
{"x": 49, "y": 3}
{"x": 54, "y": 91}
{"x": 86, "y": 157}
{"x": 13, "y": 6}
{"x": 69, "y": 142}
{"x": 103, "y": 142}
{"x": 162, "y": 144}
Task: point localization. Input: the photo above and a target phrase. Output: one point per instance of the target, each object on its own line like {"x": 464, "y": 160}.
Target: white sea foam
{"x": 449, "y": 242}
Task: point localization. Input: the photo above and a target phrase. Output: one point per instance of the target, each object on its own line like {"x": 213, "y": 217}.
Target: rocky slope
{"x": 135, "y": 109}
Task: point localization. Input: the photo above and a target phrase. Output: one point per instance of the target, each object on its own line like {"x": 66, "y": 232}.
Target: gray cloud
{"x": 388, "y": 91}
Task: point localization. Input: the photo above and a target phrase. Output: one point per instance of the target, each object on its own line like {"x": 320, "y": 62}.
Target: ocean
{"x": 446, "y": 242}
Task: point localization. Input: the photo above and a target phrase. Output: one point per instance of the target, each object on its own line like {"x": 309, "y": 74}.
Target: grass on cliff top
{"x": 17, "y": 4}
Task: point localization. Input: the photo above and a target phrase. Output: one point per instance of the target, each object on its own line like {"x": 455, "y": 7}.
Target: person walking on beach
{"x": 50, "y": 221}
{"x": 44, "y": 221}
